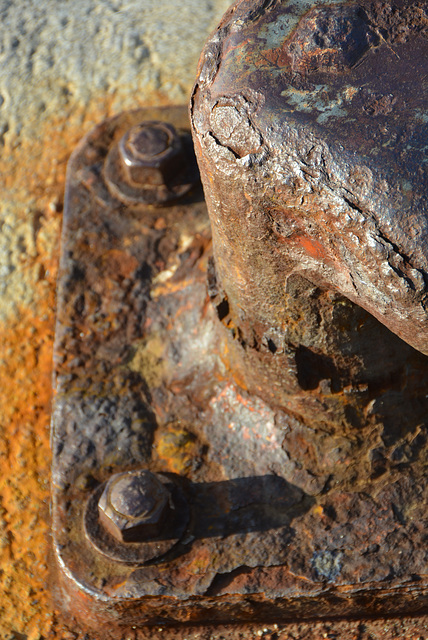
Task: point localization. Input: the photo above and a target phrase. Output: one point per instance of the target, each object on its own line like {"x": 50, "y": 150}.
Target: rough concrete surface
{"x": 64, "y": 66}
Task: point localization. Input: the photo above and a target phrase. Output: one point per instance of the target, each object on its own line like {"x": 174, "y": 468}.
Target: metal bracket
{"x": 141, "y": 383}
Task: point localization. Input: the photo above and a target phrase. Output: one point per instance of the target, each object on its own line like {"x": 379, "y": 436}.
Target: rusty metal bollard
{"x": 310, "y": 136}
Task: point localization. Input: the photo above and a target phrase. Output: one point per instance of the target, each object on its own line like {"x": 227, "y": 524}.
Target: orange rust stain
{"x": 25, "y": 373}
{"x": 177, "y": 448}
{"x": 229, "y": 48}
{"x": 119, "y": 263}
{"x": 170, "y": 286}
{"x": 237, "y": 375}
{"x": 312, "y": 247}
{"x": 278, "y": 57}
{"x": 25, "y": 390}
{"x": 246, "y": 402}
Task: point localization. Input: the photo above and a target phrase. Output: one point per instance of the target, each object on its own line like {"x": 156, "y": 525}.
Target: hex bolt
{"x": 151, "y": 154}
{"x": 134, "y": 506}
{"x": 150, "y": 164}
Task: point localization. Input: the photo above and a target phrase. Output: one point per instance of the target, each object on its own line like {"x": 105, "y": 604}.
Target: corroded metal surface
{"x": 309, "y": 127}
{"x": 287, "y": 519}
{"x": 311, "y": 130}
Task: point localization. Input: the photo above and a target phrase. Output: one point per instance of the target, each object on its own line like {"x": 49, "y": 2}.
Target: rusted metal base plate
{"x": 285, "y": 521}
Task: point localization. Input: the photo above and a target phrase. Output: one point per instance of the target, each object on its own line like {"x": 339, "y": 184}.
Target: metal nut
{"x": 134, "y": 506}
{"x": 151, "y": 154}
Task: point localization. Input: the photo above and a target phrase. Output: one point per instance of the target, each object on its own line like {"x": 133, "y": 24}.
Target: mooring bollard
{"x": 239, "y": 428}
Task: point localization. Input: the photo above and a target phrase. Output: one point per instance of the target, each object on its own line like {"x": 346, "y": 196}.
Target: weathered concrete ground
{"x": 63, "y": 67}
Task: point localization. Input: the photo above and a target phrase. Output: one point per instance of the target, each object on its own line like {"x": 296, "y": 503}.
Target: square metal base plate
{"x": 266, "y": 534}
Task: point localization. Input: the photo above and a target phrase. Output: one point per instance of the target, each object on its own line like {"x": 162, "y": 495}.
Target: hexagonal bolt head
{"x": 151, "y": 153}
{"x": 134, "y": 506}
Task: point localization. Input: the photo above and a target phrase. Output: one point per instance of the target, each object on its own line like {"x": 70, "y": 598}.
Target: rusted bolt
{"x": 151, "y": 153}
{"x": 134, "y": 506}
{"x": 152, "y": 164}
